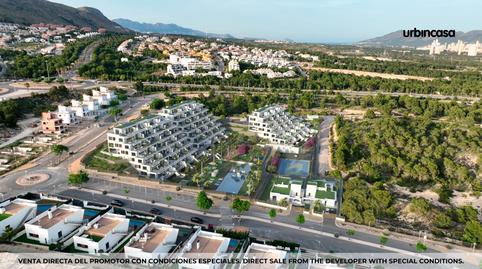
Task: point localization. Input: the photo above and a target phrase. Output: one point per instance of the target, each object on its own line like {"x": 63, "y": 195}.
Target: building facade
{"x": 284, "y": 131}
{"x": 153, "y": 241}
{"x": 52, "y": 123}
{"x": 160, "y": 146}
{"x": 54, "y": 224}
{"x": 15, "y": 213}
{"x": 102, "y": 234}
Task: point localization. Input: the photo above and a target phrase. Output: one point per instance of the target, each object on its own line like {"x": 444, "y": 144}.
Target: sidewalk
{"x": 253, "y": 218}
{"x": 437, "y": 245}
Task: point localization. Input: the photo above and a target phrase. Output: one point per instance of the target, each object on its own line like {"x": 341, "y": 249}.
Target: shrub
{"x": 309, "y": 143}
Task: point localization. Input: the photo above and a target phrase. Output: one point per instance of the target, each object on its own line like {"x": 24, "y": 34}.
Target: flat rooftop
{"x": 207, "y": 244}
{"x": 155, "y": 237}
{"x": 13, "y": 208}
{"x": 105, "y": 225}
{"x": 58, "y": 215}
{"x": 262, "y": 251}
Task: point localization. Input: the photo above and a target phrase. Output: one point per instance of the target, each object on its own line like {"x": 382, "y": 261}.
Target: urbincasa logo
{"x": 428, "y": 33}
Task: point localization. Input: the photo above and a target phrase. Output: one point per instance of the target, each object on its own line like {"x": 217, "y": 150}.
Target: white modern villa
{"x": 162, "y": 145}
{"x": 293, "y": 191}
{"x": 54, "y": 224}
{"x": 207, "y": 245}
{"x": 284, "y": 188}
{"x": 14, "y": 214}
{"x": 260, "y": 251}
{"x": 153, "y": 241}
{"x": 284, "y": 131}
{"x": 323, "y": 191}
{"x": 102, "y": 234}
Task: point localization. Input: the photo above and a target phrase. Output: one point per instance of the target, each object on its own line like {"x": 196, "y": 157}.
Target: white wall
{"x": 25, "y": 214}
{"x": 51, "y": 235}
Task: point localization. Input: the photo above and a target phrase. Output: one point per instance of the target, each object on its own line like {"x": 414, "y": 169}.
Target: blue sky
{"x": 340, "y": 21}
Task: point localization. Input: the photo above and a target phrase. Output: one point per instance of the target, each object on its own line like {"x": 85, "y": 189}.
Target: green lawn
{"x": 4, "y": 216}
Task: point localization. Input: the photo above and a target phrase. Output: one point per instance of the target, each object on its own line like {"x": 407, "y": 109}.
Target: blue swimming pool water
{"x": 90, "y": 213}
{"x": 135, "y": 224}
{"x": 232, "y": 245}
{"x": 231, "y": 183}
{"x": 43, "y": 208}
{"x": 294, "y": 168}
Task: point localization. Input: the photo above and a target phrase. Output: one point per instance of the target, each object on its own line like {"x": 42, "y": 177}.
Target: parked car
{"x": 155, "y": 211}
{"x": 197, "y": 220}
{"x": 117, "y": 202}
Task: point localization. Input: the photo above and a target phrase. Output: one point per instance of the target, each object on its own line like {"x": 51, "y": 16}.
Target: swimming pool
{"x": 135, "y": 224}
{"x": 90, "y": 213}
{"x": 42, "y": 208}
{"x": 233, "y": 181}
{"x": 294, "y": 168}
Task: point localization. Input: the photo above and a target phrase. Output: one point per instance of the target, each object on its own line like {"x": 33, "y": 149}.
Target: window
{"x": 33, "y": 235}
{"x": 59, "y": 234}
{"x": 82, "y": 246}
{"x": 107, "y": 245}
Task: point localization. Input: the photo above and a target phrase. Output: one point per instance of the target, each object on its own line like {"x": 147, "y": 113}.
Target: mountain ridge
{"x": 396, "y": 39}
{"x": 27, "y": 12}
{"x": 165, "y": 28}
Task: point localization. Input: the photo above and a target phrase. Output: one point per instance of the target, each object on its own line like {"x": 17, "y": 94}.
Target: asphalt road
{"x": 322, "y": 159}
{"x": 179, "y": 199}
{"x": 258, "y": 229}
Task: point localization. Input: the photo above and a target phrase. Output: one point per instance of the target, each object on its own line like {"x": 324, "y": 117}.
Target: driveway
{"x": 323, "y": 157}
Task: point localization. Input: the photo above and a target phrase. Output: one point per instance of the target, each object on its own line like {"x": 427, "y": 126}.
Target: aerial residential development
{"x": 160, "y": 146}
{"x": 271, "y": 134}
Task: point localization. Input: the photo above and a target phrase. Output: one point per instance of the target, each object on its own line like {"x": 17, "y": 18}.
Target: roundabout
{"x": 32, "y": 179}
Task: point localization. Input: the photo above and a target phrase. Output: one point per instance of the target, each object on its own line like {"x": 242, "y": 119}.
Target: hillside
{"x": 396, "y": 39}
{"x": 41, "y": 11}
{"x": 163, "y": 28}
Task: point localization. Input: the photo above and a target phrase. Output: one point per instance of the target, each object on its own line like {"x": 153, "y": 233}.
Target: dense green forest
{"x": 420, "y": 67}
{"x": 106, "y": 64}
{"x": 36, "y": 66}
{"x": 459, "y": 85}
{"x": 409, "y": 151}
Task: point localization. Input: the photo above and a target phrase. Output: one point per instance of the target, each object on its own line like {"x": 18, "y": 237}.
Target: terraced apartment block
{"x": 162, "y": 145}
{"x": 284, "y": 131}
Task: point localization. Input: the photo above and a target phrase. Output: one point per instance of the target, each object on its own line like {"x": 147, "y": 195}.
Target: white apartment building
{"x": 68, "y": 115}
{"x": 153, "y": 241}
{"x": 15, "y": 213}
{"x": 175, "y": 69}
{"x": 260, "y": 251}
{"x": 233, "y": 66}
{"x": 207, "y": 245}
{"x": 102, "y": 234}
{"x": 54, "y": 224}
{"x": 103, "y": 96}
{"x": 284, "y": 131}
{"x": 89, "y": 107}
{"x": 160, "y": 146}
